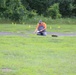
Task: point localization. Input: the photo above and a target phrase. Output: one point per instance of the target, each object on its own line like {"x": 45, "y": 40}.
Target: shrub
{"x": 31, "y": 14}
{"x": 53, "y": 11}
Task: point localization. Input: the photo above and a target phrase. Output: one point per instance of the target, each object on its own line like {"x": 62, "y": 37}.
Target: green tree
{"x": 39, "y": 5}
{"x": 74, "y": 9}
{"x": 2, "y": 7}
{"x": 14, "y": 10}
{"x": 66, "y": 7}
{"x": 2, "y": 3}
{"x": 53, "y": 11}
{"x": 17, "y": 9}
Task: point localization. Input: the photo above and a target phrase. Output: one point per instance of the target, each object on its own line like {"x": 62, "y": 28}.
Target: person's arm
{"x": 36, "y": 29}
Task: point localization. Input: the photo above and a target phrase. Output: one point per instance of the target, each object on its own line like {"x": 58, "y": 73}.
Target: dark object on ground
{"x": 54, "y": 35}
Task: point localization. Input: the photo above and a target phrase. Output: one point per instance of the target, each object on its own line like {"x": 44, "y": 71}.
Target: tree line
{"x": 17, "y": 9}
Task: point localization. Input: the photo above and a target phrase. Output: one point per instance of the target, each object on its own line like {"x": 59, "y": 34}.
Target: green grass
{"x": 29, "y": 27}
{"x": 36, "y": 19}
{"x": 37, "y": 55}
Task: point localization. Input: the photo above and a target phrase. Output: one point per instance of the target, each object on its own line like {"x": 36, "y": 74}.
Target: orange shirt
{"x": 41, "y": 24}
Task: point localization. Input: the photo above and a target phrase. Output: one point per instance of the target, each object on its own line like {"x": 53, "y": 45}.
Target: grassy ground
{"x": 37, "y": 55}
{"x": 28, "y": 27}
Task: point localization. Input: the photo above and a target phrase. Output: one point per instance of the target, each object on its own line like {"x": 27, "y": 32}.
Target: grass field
{"x": 37, "y": 55}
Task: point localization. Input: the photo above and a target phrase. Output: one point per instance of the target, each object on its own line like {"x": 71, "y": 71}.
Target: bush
{"x": 31, "y": 14}
{"x": 14, "y": 10}
{"x": 53, "y": 11}
{"x": 66, "y": 8}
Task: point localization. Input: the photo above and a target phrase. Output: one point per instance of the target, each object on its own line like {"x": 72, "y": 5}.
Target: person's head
{"x": 40, "y": 21}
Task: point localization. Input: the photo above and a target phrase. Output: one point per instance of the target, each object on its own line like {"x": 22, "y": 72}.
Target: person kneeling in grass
{"x": 41, "y": 28}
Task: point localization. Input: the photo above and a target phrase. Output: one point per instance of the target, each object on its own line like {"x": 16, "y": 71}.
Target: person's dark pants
{"x": 42, "y": 33}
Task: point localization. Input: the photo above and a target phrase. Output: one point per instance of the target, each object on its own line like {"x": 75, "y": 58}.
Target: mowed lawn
{"x": 25, "y": 53}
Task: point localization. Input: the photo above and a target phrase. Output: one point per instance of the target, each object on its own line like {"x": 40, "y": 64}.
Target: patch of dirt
{"x": 6, "y": 33}
{"x": 48, "y": 33}
{"x": 62, "y": 34}
{"x": 6, "y": 70}
{"x": 11, "y": 33}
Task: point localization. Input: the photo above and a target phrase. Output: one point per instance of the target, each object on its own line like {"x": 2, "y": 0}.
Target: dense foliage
{"x": 16, "y": 10}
